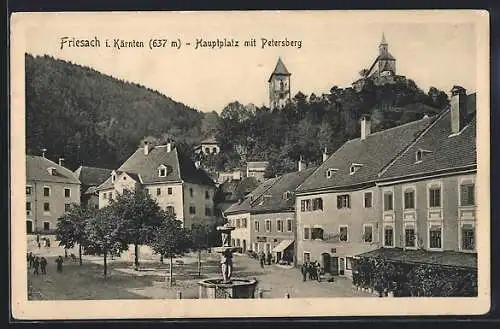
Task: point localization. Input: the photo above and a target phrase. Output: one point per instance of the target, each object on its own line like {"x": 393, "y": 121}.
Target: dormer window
{"x": 52, "y": 171}
{"x": 419, "y": 155}
{"x": 287, "y": 195}
{"x": 330, "y": 172}
{"x": 354, "y": 167}
{"x": 163, "y": 171}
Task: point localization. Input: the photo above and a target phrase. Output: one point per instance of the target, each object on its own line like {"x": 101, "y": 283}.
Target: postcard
{"x": 249, "y": 164}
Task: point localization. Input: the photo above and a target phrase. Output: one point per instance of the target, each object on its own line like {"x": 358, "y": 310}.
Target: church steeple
{"x": 279, "y": 86}
{"x": 383, "y": 46}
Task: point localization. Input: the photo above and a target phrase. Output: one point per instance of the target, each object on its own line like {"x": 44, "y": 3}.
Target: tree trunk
{"x": 171, "y": 271}
{"x": 136, "y": 260}
{"x": 105, "y": 265}
{"x": 199, "y": 262}
{"x": 80, "y": 253}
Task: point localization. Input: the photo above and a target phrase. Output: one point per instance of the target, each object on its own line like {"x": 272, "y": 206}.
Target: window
{"x": 67, "y": 192}
{"x": 28, "y": 206}
{"x": 317, "y": 204}
{"x": 29, "y": 226}
{"x": 46, "y": 206}
{"x": 410, "y": 237}
{"x": 170, "y": 210}
{"x": 307, "y": 257}
{"x": 343, "y": 234}
{"x": 191, "y": 192}
{"x": 388, "y": 236}
{"x": 435, "y": 196}
{"x": 208, "y": 211}
{"x": 207, "y": 150}
{"x": 113, "y": 177}
{"x": 467, "y": 237}
{"x": 214, "y": 150}
{"x": 279, "y": 225}
{"x": 344, "y": 201}
{"x": 256, "y": 225}
{"x": 409, "y": 199}
{"x": 237, "y": 242}
{"x": 169, "y": 191}
{"x": 368, "y": 199}
{"x": 289, "y": 225}
{"x": 158, "y": 191}
{"x": 388, "y": 201}
{"x": 46, "y": 226}
{"x": 110, "y": 195}
{"x": 287, "y": 195}
{"x": 46, "y": 191}
{"x": 307, "y": 232}
{"x": 162, "y": 172}
{"x": 268, "y": 225}
{"x": 52, "y": 171}
{"x": 124, "y": 177}
{"x": 330, "y": 172}
{"x": 28, "y": 190}
{"x": 316, "y": 233}
{"x": 67, "y": 207}
{"x": 418, "y": 156}
{"x": 207, "y": 195}
{"x": 467, "y": 194}
{"x": 237, "y": 222}
{"x": 105, "y": 195}
{"x": 244, "y": 222}
{"x": 435, "y": 237}
{"x": 367, "y": 233}
{"x": 192, "y": 210}
{"x": 348, "y": 263}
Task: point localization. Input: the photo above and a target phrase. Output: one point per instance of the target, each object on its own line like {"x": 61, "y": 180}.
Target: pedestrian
{"x": 269, "y": 258}
{"x": 59, "y": 262}
{"x": 318, "y": 271}
{"x": 47, "y": 242}
{"x": 43, "y": 265}
{"x": 36, "y": 263}
{"x": 262, "y": 259}
{"x": 303, "y": 269}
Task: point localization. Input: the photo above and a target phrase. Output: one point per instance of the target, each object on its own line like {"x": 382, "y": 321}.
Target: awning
{"x": 282, "y": 245}
{"x": 444, "y": 258}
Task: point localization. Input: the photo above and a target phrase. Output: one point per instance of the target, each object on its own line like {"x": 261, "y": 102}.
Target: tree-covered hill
{"x": 88, "y": 117}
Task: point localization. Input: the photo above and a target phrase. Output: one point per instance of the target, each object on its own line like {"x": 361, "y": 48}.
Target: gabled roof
{"x": 235, "y": 189}
{"x": 37, "y": 170}
{"x": 268, "y": 197}
{"x": 447, "y": 153}
{"x": 146, "y": 166}
{"x": 280, "y": 69}
{"x": 209, "y": 140}
{"x": 374, "y": 153}
{"x": 92, "y": 176}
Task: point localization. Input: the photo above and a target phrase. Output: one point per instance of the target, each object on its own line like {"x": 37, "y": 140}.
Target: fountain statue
{"x": 216, "y": 288}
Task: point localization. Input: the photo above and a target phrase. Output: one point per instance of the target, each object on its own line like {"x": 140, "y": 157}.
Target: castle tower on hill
{"x": 385, "y": 63}
{"x": 279, "y": 86}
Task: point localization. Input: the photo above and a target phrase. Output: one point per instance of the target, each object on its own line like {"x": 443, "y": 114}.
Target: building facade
{"x": 279, "y": 86}
{"x": 339, "y": 205}
{"x": 208, "y": 146}
{"x": 51, "y": 189}
{"x": 257, "y": 169}
{"x": 265, "y": 220}
{"x": 171, "y": 178}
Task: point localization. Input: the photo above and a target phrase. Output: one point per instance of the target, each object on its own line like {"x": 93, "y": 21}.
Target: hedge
{"x": 403, "y": 279}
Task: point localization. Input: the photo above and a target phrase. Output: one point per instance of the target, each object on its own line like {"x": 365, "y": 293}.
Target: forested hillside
{"x": 88, "y": 117}
{"x": 309, "y": 124}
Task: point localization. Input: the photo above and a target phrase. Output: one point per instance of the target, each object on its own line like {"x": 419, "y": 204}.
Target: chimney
{"x": 170, "y": 145}
{"x": 458, "y": 109}
{"x": 61, "y": 162}
{"x": 43, "y": 152}
{"x": 366, "y": 126}
{"x": 302, "y": 164}
{"x": 146, "y": 147}
{"x": 325, "y": 154}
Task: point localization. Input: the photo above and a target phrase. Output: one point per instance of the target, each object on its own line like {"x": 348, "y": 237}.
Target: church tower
{"x": 279, "y": 86}
{"x": 386, "y": 62}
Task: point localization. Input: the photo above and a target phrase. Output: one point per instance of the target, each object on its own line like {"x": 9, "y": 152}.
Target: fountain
{"x": 226, "y": 287}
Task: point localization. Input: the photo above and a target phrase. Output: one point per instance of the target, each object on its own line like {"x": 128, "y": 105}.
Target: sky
{"x": 433, "y": 48}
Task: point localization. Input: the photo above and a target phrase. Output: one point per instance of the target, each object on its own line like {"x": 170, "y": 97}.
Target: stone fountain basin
{"x": 215, "y": 288}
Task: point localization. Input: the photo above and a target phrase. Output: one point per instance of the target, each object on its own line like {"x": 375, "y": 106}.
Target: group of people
{"x": 39, "y": 264}
{"x": 311, "y": 269}
{"x": 265, "y": 259}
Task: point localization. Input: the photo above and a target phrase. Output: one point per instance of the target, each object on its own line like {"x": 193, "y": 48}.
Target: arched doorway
{"x": 326, "y": 262}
